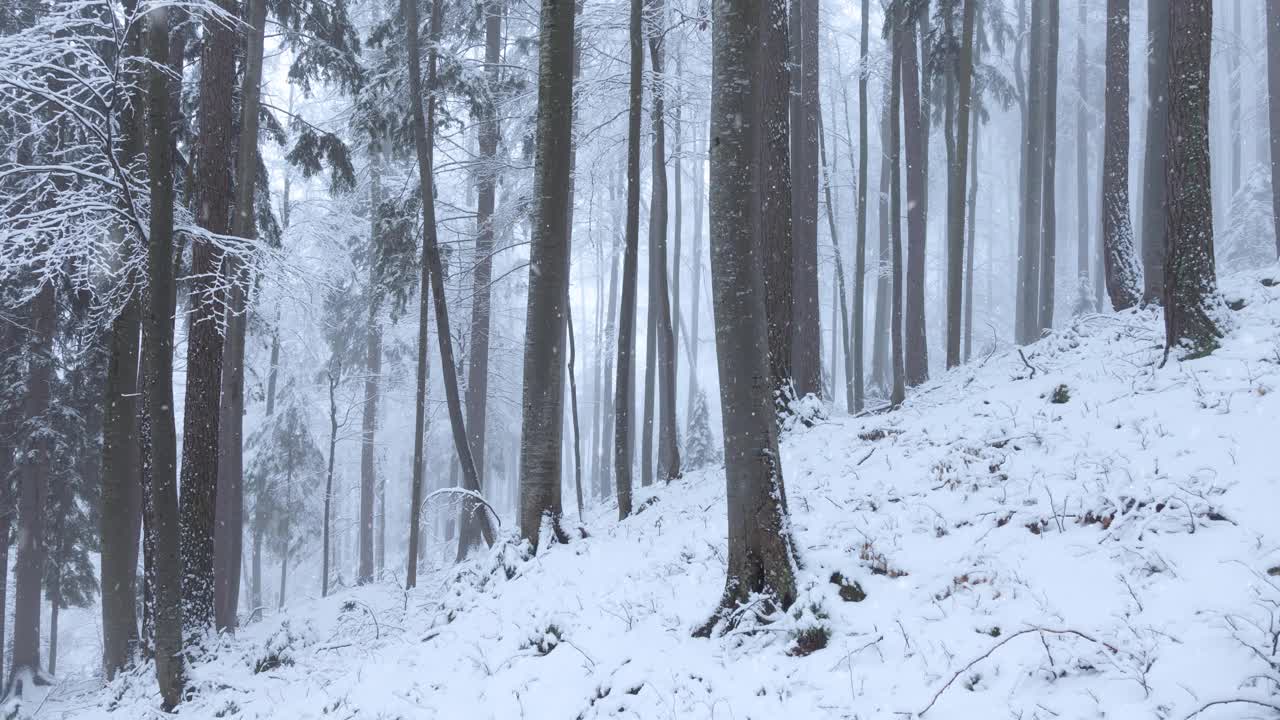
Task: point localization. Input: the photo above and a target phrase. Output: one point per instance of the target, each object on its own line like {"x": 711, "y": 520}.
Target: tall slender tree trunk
{"x": 1153, "y": 202}
{"x": 424, "y": 142}
{"x": 160, "y": 464}
{"x": 605, "y": 471}
{"x": 624, "y": 403}
{"x": 1192, "y": 306}
{"x": 1028, "y": 299}
{"x": 806, "y": 363}
{"x": 372, "y": 378}
{"x": 677, "y": 175}
{"x": 914, "y": 140}
{"x": 1235, "y": 108}
{"x": 971, "y": 247}
{"x": 761, "y": 558}
{"x": 1273, "y": 110}
{"x": 34, "y": 466}
{"x": 650, "y": 364}
{"x": 229, "y": 529}
{"x": 1049, "y": 218}
{"x": 695, "y": 309}
{"x": 668, "y": 448}
{"x": 1122, "y": 273}
{"x": 956, "y": 186}
{"x": 898, "y": 373}
{"x": 489, "y": 130}
{"x": 777, "y": 214}
{"x": 121, "y": 462}
{"x": 420, "y": 430}
{"x": 1084, "y": 223}
{"x": 334, "y": 377}
{"x": 881, "y": 366}
{"x": 843, "y": 339}
{"x": 543, "y": 402}
{"x": 200, "y": 416}
{"x": 860, "y": 245}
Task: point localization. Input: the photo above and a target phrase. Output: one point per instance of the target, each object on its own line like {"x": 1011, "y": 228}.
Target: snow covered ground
{"x": 1083, "y": 534}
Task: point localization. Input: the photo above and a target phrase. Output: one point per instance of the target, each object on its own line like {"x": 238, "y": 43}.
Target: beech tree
{"x": 761, "y": 558}
{"x": 540, "y": 505}
{"x": 1153, "y": 159}
{"x": 1122, "y": 272}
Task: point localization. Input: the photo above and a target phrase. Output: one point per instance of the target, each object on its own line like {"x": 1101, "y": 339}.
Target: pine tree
{"x": 700, "y": 446}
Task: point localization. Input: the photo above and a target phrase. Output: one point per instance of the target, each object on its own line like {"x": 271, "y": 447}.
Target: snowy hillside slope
{"x": 1084, "y": 534}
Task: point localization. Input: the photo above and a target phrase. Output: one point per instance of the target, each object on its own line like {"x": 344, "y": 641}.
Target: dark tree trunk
{"x": 420, "y": 427}
{"x": 34, "y": 466}
{"x": 1085, "y": 225}
{"x": 1028, "y": 298}
{"x": 1273, "y": 110}
{"x": 761, "y": 558}
{"x": 160, "y": 465}
{"x": 624, "y": 403}
{"x": 914, "y": 140}
{"x": 972, "y": 244}
{"x": 1153, "y": 204}
{"x": 229, "y": 531}
{"x": 806, "y": 358}
{"x": 200, "y": 417}
{"x": 1122, "y": 273}
{"x": 489, "y": 131}
{"x": 372, "y": 378}
{"x": 121, "y": 462}
{"x": 957, "y": 177}
{"x": 543, "y": 402}
{"x": 1192, "y": 305}
{"x": 860, "y": 247}
{"x": 668, "y": 448}
{"x": 650, "y": 367}
{"x": 777, "y": 197}
{"x": 898, "y": 373}
{"x": 1049, "y": 218}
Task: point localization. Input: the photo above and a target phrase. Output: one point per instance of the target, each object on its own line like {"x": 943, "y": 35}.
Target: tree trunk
{"x": 956, "y": 187}
{"x": 200, "y": 417}
{"x": 972, "y": 245}
{"x": 914, "y": 140}
{"x": 1153, "y": 203}
{"x": 860, "y": 246}
{"x": 844, "y": 338}
{"x": 1234, "y": 107}
{"x": 1273, "y": 110}
{"x": 420, "y": 435}
{"x": 777, "y": 215}
{"x": 34, "y": 466}
{"x": 373, "y": 375}
{"x": 806, "y": 360}
{"x": 1192, "y": 305}
{"x": 624, "y": 404}
{"x": 160, "y": 466}
{"x": 668, "y": 438}
{"x": 898, "y": 372}
{"x": 1049, "y": 219}
{"x": 489, "y": 130}
{"x": 695, "y": 309}
{"x": 881, "y": 365}
{"x": 1028, "y": 299}
{"x": 229, "y": 530}
{"x": 761, "y": 558}
{"x": 677, "y": 322}
{"x": 605, "y": 471}
{"x": 543, "y": 402}
{"x": 650, "y": 365}
{"x": 1122, "y": 273}
{"x": 334, "y": 377}
{"x": 1085, "y": 225}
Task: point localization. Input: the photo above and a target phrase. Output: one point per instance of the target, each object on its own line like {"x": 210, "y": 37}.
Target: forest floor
{"x": 1080, "y": 533}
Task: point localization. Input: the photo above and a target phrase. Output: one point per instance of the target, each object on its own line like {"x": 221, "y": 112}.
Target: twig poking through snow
{"x": 1000, "y": 644}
